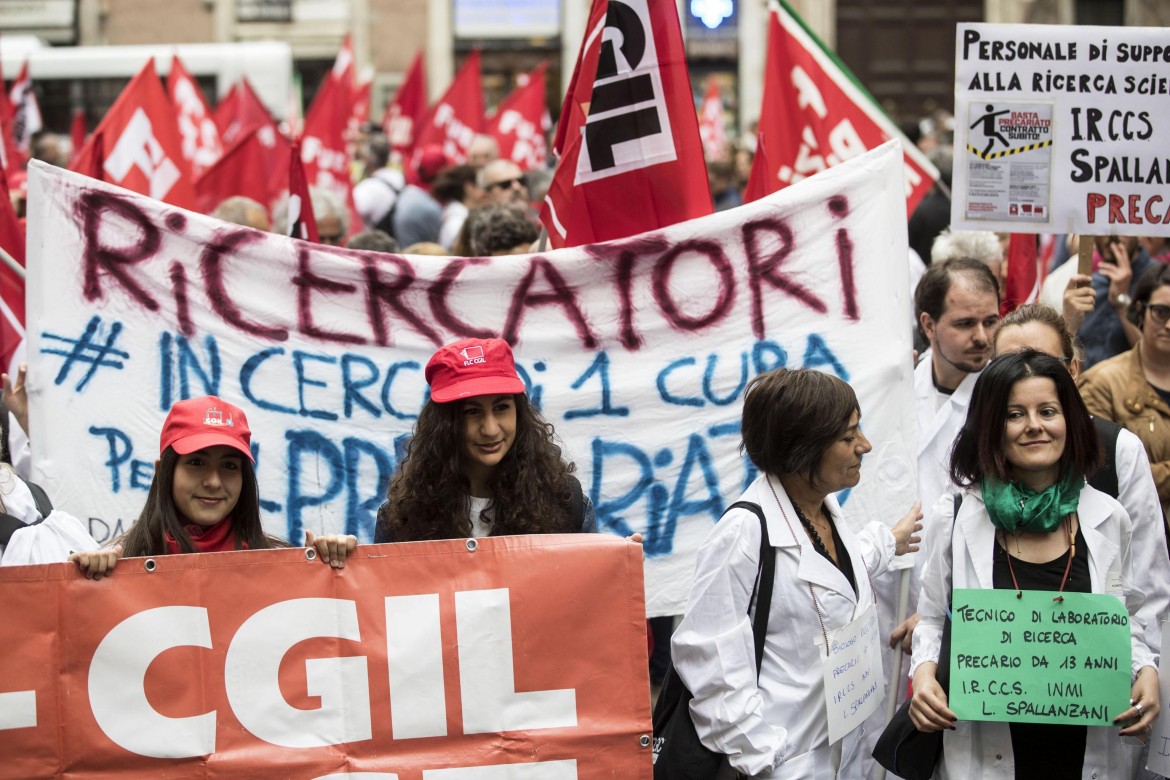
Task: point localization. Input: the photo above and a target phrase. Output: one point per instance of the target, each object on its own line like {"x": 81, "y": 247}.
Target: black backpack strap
{"x": 41, "y": 499}
{"x": 8, "y": 526}
{"x": 763, "y": 589}
{"x": 1105, "y": 479}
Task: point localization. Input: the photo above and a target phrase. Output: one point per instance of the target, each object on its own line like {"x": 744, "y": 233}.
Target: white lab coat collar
{"x": 813, "y": 567}
{"x": 931, "y": 420}
{"x": 979, "y": 535}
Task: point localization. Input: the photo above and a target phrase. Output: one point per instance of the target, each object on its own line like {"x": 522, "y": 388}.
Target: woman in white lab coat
{"x": 801, "y": 430}
{"x": 1028, "y": 521}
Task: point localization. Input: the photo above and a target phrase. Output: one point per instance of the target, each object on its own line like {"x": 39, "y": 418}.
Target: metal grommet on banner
{"x": 150, "y": 564}
{"x": 644, "y": 740}
{"x": 472, "y": 545}
{"x": 310, "y": 553}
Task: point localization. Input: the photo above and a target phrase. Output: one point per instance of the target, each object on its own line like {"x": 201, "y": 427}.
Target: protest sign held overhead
{"x": 1058, "y": 129}
{"x": 448, "y": 660}
{"x": 815, "y": 114}
{"x": 630, "y": 155}
{"x": 638, "y": 351}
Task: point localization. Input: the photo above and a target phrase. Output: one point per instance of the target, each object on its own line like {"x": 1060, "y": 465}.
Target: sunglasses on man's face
{"x": 1159, "y": 312}
{"x": 506, "y": 184}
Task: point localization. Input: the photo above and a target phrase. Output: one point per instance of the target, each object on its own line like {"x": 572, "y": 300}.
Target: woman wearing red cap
{"x": 482, "y": 461}
{"x": 203, "y": 497}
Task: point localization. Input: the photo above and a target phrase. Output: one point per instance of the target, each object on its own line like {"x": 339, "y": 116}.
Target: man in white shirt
{"x": 957, "y": 307}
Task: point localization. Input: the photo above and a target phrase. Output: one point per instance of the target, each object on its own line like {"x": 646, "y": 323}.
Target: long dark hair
{"x": 148, "y": 535}
{"x": 979, "y": 448}
{"x": 531, "y": 489}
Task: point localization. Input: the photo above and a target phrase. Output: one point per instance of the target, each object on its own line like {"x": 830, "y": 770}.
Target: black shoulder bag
{"x": 903, "y": 749}
{"x": 678, "y": 753}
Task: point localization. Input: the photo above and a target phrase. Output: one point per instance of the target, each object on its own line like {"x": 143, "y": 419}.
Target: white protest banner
{"x": 637, "y": 351}
{"x": 1060, "y": 129}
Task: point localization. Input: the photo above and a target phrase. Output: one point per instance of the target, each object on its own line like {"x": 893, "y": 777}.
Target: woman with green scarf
{"x": 1028, "y": 521}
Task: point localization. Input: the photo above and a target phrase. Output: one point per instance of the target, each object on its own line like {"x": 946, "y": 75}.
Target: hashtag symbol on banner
{"x": 87, "y": 351}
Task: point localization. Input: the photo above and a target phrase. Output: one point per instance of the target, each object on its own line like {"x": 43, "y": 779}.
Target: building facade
{"x": 902, "y": 50}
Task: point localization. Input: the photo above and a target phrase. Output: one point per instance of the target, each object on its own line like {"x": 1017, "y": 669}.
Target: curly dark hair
{"x": 148, "y": 535}
{"x": 531, "y": 489}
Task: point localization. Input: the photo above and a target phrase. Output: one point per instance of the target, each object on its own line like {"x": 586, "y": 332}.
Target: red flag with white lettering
{"x": 301, "y": 221}
{"x": 521, "y": 122}
{"x": 141, "y": 143}
{"x": 1026, "y": 270}
{"x": 405, "y": 112}
{"x": 815, "y": 114}
{"x": 256, "y": 167}
{"x": 712, "y": 128}
{"x": 26, "y": 111}
{"x": 202, "y": 145}
{"x": 323, "y": 148}
{"x": 11, "y": 282}
{"x": 239, "y": 113}
{"x": 456, "y": 119}
{"x": 632, "y": 159}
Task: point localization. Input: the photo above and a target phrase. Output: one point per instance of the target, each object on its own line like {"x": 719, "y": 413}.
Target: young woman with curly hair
{"x": 482, "y": 461}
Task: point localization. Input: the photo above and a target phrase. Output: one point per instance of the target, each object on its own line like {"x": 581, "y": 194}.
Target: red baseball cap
{"x": 205, "y": 422}
{"x": 472, "y": 367}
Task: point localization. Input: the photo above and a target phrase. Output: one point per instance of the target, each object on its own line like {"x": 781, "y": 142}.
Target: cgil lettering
{"x": 251, "y": 675}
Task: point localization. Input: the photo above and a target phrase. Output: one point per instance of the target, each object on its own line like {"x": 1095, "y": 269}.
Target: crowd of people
{"x": 1043, "y": 463}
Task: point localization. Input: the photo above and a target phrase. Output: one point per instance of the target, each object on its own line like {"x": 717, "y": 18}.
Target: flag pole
{"x": 13, "y": 266}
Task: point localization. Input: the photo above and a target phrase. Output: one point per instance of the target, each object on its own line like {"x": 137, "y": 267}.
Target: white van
{"x": 92, "y": 76}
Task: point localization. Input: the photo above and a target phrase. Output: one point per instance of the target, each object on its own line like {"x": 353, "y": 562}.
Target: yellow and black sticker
{"x": 1006, "y": 152}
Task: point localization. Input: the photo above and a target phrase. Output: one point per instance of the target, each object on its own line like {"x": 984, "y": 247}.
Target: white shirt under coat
{"x": 960, "y": 556}
{"x": 778, "y": 727}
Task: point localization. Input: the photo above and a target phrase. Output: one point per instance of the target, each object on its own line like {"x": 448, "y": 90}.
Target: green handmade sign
{"x": 1035, "y": 660}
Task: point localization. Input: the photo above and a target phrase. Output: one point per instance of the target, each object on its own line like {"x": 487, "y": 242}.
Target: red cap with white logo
{"x": 472, "y": 367}
{"x": 198, "y": 423}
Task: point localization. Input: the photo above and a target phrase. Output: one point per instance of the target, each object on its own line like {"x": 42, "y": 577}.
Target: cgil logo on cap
{"x": 472, "y": 355}
{"x": 214, "y": 416}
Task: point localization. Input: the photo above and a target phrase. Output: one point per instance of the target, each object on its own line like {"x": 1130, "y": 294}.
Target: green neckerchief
{"x": 1015, "y": 508}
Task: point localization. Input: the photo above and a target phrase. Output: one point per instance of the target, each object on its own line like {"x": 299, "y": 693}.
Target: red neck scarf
{"x": 215, "y": 538}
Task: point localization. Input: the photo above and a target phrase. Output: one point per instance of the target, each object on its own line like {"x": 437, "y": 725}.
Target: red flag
{"x": 1025, "y": 272}
{"x": 456, "y": 119}
{"x": 11, "y": 280}
{"x": 361, "y": 103}
{"x": 301, "y": 222}
{"x": 632, "y": 157}
{"x": 521, "y": 122}
{"x": 26, "y": 112}
{"x": 143, "y": 152}
{"x": 711, "y": 125}
{"x": 256, "y": 167}
{"x": 816, "y": 114}
{"x": 239, "y": 113}
{"x": 406, "y": 111}
{"x": 323, "y": 147}
{"x": 201, "y": 142}
{"x": 77, "y": 133}
{"x": 10, "y": 157}
{"x": 754, "y": 190}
